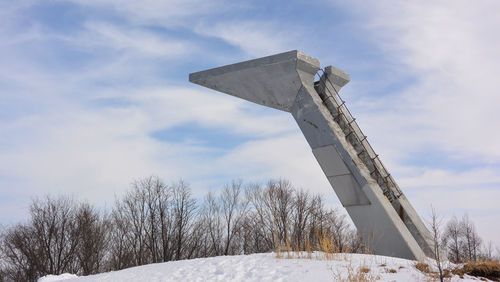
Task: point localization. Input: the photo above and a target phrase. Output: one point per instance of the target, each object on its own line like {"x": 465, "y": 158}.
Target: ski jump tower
{"x": 382, "y": 214}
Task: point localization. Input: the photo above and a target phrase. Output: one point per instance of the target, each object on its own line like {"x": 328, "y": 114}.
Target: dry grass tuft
{"x": 308, "y": 249}
{"x": 361, "y": 275}
{"x": 434, "y": 276}
{"x": 488, "y": 269}
{"x": 392, "y": 270}
{"x": 288, "y": 249}
{"x": 323, "y": 242}
{"x": 364, "y": 269}
{"x": 328, "y": 246}
{"x": 298, "y": 253}
{"x": 422, "y": 266}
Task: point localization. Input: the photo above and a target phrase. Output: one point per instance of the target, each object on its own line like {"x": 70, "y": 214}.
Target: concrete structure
{"x": 382, "y": 214}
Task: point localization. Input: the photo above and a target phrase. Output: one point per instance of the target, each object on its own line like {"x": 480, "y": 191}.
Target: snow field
{"x": 266, "y": 267}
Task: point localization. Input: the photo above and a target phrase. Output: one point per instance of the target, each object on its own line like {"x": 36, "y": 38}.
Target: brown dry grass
{"x": 392, "y": 270}
{"x": 308, "y": 249}
{"x": 364, "y": 269}
{"x": 328, "y": 251}
{"x": 355, "y": 275}
{"x": 488, "y": 269}
{"x": 288, "y": 249}
{"x": 326, "y": 244}
{"x": 323, "y": 242}
{"x": 328, "y": 247}
{"x": 422, "y": 266}
{"x": 434, "y": 276}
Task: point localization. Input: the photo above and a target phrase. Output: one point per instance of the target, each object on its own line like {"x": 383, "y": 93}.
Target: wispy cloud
{"x": 451, "y": 50}
{"x": 254, "y": 38}
{"x": 104, "y": 35}
{"x": 171, "y": 13}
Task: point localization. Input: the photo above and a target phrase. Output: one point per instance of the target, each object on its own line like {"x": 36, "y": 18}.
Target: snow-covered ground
{"x": 266, "y": 267}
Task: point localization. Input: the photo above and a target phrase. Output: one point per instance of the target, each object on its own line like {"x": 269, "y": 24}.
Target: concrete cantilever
{"x": 272, "y": 81}
{"x": 286, "y": 82}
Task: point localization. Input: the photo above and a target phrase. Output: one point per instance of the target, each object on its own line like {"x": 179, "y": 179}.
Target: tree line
{"x": 158, "y": 222}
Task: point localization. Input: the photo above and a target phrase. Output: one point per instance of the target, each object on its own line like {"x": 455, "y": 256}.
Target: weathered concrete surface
{"x": 286, "y": 82}
{"x": 272, "y": 81}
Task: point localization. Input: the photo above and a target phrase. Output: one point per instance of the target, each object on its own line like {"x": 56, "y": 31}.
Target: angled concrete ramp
{"x": 383, "y": 216}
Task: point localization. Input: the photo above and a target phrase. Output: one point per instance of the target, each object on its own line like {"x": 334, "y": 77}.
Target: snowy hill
{"x": 266, "y": 267}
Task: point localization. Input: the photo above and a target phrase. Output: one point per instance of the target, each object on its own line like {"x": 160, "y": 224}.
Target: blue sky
{"x": 95, "y": 94}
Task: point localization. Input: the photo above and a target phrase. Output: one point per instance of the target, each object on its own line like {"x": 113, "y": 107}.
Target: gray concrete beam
{"x": 250, "y": 80}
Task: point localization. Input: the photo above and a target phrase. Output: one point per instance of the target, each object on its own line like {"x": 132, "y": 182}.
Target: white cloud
{"x": 449, "y": 179}
{"x": 179, "y": 105}
{"x": 255, "y": 38}
{"x": 288, "y": 156}
{"x": 170, "y": 13}
{"x": 101, "y": 34}
{"x": 450, "y": 47}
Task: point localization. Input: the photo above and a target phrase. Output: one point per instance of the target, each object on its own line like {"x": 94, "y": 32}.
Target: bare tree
{"x": 279, "y": 200}
{"x": 301, "y": 212}
{"x": 213, "y": 223}
{"x": 184, "y": 207}
{"x": 120, "y": 252}
{"x": 339, "y": 228}
{"x": 20, "y": 255}
{"x": 261, "y": 220}
{"x": 488, "y": 252}
{"x": 356, "y": 244}
{"x": 233, "y": 212}
{"x": 93, "y": 231}
{"x": 198, "y": 243}
{"x": 164, "y": 198}
{"x": 435, "y": 226}
{"x": 317, "y": 225}
{"x": 46, "y": 245}
{"x": 158, "y": 221}
{"x": 130, "y": 214}
{"x": 144, "y": 224}
{"x": 471, "y": 240}
{"x": 451, "y": 240}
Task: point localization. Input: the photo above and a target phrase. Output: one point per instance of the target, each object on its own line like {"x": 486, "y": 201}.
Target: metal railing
{"x": 341, "y": 114}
